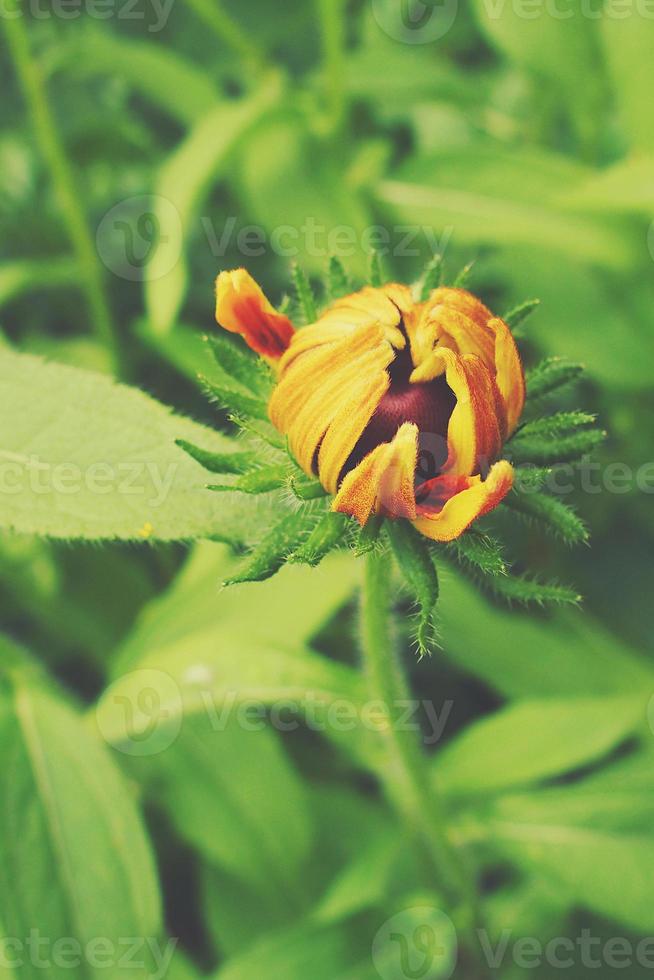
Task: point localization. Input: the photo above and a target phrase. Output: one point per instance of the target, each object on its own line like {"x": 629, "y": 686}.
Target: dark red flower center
{"x": 428, "y": 404}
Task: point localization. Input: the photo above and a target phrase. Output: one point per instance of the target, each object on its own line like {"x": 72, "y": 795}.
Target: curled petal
{"x": 385, "y": 306}
{"x": 454, "y": 503}
{"x": 474, "y": 434}
{"x": 383, "y": 482}
{"x": 510, "y": 375}
{"x": 242, "y": 307}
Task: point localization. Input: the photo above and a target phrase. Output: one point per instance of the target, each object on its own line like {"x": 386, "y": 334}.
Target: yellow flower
{"x": 400, "y": 408}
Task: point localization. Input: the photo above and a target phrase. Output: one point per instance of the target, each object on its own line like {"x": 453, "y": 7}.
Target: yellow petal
{"x": 242, "y": 307}
{"x": 383, "y": 481}
{"x": 510, "y": 375}
{"x": 476, "y": 498}
{"x": 474, "y": 436}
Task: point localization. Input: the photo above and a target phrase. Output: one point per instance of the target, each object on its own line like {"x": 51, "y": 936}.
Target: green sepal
{"x": 306, "y": 489}
{"x": 550, "y": 375}
{"x": 305, "y": 298}
{"x": 376, "y": 276}
{"x": 232, "y": 399}
{"x": 553, "y": 426}
{"x": 257, "y": 481}
{"x": 478, "y": 551}
{"x": 561, "y": 449}
{"x": 431, "y": 277}
{"x": 419, "y": 571}
{"x": 275, "y": 548}
{"x": 529, "y": 478}
{"x": 337, "y": 281}
{"x": 463, "y": 277}
{"x": 330, "y": 532}
{"x": 550, "y": 512}
{"x": 240, "y": 365}
{"x": 261, "y": 429}
{"x": 368, "y": 537}
{"x": 526, "y": 590}
{"x": 517, "y": 316}
{"x": 219, "y": 462}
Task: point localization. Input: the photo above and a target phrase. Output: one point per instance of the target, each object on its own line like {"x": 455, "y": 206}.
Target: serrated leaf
{"x": 220, "y": 462}
{"x": 240, "y": 364}
{"x": 515, "y": 317}
{"x": 555, "y": 449}
{"x": 66, "y": 811}
{"x": 271, "y": 553}
{"x": 88, "y": 458}
{"x": 338, "y": 284}
{"x": 418, "y": 568}
{"x": 480, "y": 551}
{"x": 329, "y": 533}
{"x": 431, "y": 278}
{"x": 261, "y": 480}
{"x": 304, "y": 293}
{"x": 233, "y": 399}
{"x": 552, "y": 513}
{"x": 550, "y": 375}
{"x": 559, "y": 424}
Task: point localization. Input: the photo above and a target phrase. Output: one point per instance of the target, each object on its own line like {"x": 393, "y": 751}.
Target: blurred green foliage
{"x": 143, "y": 148}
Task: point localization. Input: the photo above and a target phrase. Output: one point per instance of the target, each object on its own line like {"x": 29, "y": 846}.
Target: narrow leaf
{"x": 520, "y": 588}
{"x": 416, "y": 564}
{"x": 552, "y": 513}
{"x": 337, "y": 278}
{"x": 304, "y": 293}
{"x": 232, "y": 399}
{"x": 562, "y": 449}
{"x": 480, "y": 551}
{"x": 550, "y": 375}
{"x": 244, "y": 367}
{"x": 528, "y": 479}
{"x": 515, "y": 317}
{"x": 269, "y": 556}
{"x": 376, "y": 276}
{"x": 219, "y": 462}
{"x": 306, "y": 489}
{"x": 329, "y": 533}
{"x": 463, "y": 277}
{"x": 257, "y": 481}
{"x": 432, "y": 277}
{"x": 555, "y": 425}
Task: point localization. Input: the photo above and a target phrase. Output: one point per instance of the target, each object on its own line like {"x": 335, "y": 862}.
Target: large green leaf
{"x": 569, "y": 655}
{"x": 83, "y": 457}
{"x": 533, "y": 740}
{"x": 183, "y": 181}
{"x": 67, "y": 822}
{"x": 627, "y": 40}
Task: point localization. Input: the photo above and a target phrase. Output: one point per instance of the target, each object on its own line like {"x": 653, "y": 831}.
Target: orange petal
{"x": 474, "y": 498}
{"x": 384, "y": 305}
{"x": 382, "y": 483}
{"x": 242, "y": 307}
{"x": 474, "y": 435}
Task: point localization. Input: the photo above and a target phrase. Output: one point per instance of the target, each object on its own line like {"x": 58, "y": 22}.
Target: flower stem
{"x": 406, "y": 775}
{"x": 31, "y": 81}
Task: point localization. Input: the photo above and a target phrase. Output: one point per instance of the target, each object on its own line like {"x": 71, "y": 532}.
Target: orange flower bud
{"x": 399, "y": 407}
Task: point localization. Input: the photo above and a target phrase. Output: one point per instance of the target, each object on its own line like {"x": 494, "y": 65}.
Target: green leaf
{"x": 527, "y": 589}
{"x": 232, "y": 398}
{"x": 67, "y": 812}
{"x": 220, "y": 462}
{"x": 554, "y": 426}
{"x": 376, "y": 276}
{"x": 181, "y": 185}
{"x": 463, "y": 276}
{"x": 329, "y": 533}
{"x": 89, "y": 458}
{"x": 337, "y": 278}
{"x": 531, "y": 478}
{"x": 304, "y": 293}
{"x": 626, "y": 46}
{"x": 175, "y": 85}
{"x": 559, "y": 449}
{"x": 478, "y": 551}
{"x": 275, "y": 548}
{"x": 431, "y": 278}
{"x": 550, "y": 375}
{"x": 230, "y": 791}
{"x": 364, "y": 882}
{"x": 551, "y": 513}
{"x": 586, "y": 864}
{"x": 238, "y": 915}
{"x": 417, "y": 567}
{"x": 240, "y": 364}
{"x": 533, "y": 740}
{"x": 28, "y": 275}
{"x": 260, "y": 480}
{"x": 515, "y": 317}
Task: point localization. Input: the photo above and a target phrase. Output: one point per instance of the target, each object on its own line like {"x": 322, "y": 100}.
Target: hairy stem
{"x": 406, "y": 775}
{"x": 31, "y": 81}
